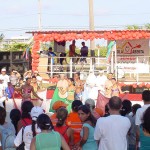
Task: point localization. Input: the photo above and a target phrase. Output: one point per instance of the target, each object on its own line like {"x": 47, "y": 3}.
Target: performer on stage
{"x": 60, "y": 93}
{"x": 115, "y": 89}
{"x": 100, "y": 82}
{"x": 108, "y": 86}
{"x": 26, "y": 90}
{"x": 102, "y": 100}
{"x": 90, "y": 88}
{"x": 78, "y": 85}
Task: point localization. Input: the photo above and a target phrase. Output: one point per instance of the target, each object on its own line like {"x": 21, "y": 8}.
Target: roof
{"x": 69, "y": 35}
{"x": 82, "y": 31}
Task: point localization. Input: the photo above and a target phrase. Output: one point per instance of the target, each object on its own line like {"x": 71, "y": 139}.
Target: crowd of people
{"x": 85, "y": 115}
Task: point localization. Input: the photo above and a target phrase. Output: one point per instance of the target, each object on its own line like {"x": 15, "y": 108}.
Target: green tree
{"x": 133, "y": 27}
{"x": 1, "y": 37}
{"x": 147, "y": 26}
{"x": 15, "y": 47}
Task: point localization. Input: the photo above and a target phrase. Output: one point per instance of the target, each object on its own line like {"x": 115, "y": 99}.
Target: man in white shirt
{"x": 140, "y": 111}
{"x": 4, "y": 76}
{"x": 111, "y": 131}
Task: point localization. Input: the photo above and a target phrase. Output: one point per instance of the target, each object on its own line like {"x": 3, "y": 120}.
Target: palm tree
{"x": 133, "y": 27}
{"x": 147, "y": 26}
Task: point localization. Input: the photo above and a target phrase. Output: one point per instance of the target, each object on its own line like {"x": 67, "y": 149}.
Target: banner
{"x": 132, "y": 56}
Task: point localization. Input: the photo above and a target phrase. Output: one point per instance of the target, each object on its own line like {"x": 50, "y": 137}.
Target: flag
{"x": 101, "y": 101}
{"x": 111, "y": 47}
{"x": 26, "y": 53}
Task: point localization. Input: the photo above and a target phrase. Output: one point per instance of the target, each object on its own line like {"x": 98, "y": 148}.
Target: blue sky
{"x": 19, "y": 16}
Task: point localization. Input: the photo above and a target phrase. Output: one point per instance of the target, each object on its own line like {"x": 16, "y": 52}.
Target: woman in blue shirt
{"x": 87, "y": 133}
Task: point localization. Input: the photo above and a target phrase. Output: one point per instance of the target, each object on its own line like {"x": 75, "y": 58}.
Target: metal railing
{"x": 134, "y": 66}
{"x": 94, "y": 64}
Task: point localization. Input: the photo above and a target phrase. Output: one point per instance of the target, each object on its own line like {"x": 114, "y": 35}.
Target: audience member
{"x": 144, "y": 131}
{"x": 55, "y": 107}
{"x": 15, "y": 116}
{"x": 4, "y": 77}
{"x": 14, "y": 77}
{"x": 25, "y": 115}
{"x": 62, "y": 128}
{"x": 106, "y": 110}
{"x": 132, "y": 131}
{"x": 126, "y": 108}
{"x": 48, "y": 138}
{"x": 97, "y": 112}
{"x": 29, "y": 131}
{"x": 111, "y": 131}
{"x": 74, "y": 121}
{"x": 140, "y": 111}
{"x": 7, "y": 132}
{"x": 87, "y": 140}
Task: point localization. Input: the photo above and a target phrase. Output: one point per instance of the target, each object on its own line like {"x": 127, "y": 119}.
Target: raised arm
{"x": 33, "y": 92}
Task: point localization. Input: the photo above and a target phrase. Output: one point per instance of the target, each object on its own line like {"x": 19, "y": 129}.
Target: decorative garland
{"x": 85, "y": 35}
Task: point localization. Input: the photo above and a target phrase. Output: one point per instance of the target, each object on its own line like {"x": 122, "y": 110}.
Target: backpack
{"x": 8, "y": 137}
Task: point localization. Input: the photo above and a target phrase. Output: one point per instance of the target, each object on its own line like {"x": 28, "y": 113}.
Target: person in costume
{"x": 78, "y": 85}
{"x": 70, "y": 94}
{"x": 60, "y": 92}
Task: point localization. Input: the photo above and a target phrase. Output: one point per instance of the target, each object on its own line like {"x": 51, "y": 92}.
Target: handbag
{"x": 21, "y": 146}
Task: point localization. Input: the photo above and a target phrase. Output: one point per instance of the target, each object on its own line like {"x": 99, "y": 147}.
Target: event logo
{"x": 128, "y": 48}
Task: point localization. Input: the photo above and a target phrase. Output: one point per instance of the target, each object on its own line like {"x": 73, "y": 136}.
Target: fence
{"x": 75, "y": 64}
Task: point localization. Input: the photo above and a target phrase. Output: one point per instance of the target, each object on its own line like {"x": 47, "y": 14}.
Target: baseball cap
{"x": 90, "y": 102}
{"x": 3, "y": 69}
{"x": 58, "y": 104}
{"x": 35, "y": 112}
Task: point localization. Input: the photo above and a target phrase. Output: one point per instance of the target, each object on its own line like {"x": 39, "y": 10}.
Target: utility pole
{"x": 39, "y": 15}
{"x": 91, "y": 23}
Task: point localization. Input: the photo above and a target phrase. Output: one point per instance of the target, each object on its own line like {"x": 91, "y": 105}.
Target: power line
{"x": 74, "y": 14}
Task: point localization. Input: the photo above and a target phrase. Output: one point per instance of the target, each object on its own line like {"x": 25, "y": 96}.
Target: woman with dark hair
{"x": 132, "y": 131}
{"x": 74, "y": 121}
{"x": 48, "y": 138}
{"x": 15, "y": 116}
{"x": 144, "y": 131}
{"x": 29, "y": 131}
{"x": 25, "y": 115}
{"x": 87, "y": 139}
{"x": 7, "y": 131}
{"x": 126, "y": 108}
{"x": 62, "y": 128}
